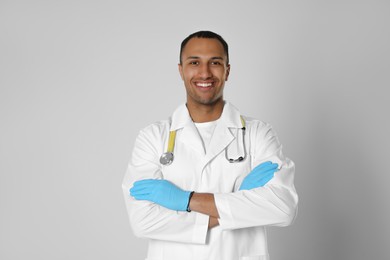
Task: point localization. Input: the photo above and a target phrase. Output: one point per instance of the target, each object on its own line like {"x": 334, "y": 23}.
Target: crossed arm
{"x": 166, "y": 194}
{"x": 151, "y": 215}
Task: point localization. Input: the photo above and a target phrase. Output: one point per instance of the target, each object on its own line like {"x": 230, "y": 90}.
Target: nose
{"x": 204, "y": 71}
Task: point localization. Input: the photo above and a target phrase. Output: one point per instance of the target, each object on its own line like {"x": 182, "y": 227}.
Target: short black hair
{"x": 207, "y": 35}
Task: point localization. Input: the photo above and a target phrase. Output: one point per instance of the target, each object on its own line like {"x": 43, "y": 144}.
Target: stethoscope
{"x": 167, "y": 157}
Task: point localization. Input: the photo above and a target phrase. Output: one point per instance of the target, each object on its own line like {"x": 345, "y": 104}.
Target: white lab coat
{"x": 244, "y": 215}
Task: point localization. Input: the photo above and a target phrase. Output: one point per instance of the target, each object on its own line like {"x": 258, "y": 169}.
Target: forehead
{"x": 203, "y": 47}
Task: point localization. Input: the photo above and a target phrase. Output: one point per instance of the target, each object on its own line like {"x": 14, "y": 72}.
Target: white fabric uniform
{"x": 241, "y": 233}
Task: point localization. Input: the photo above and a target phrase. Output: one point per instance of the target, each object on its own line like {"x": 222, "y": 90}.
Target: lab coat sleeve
{"x": 147, "y": 219}
{"x": 275, "y": 203}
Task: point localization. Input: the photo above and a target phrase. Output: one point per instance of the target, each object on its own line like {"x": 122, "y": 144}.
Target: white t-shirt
{"x": 206, "y": 131}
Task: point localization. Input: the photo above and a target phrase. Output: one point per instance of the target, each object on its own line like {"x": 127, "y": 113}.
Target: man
{"x": 205, "y": 183}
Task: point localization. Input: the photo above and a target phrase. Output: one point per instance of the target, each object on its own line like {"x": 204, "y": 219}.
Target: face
{"x": 204, "y": 71}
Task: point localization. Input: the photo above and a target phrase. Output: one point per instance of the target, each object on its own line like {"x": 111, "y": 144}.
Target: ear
{"x": 227, "y": 72}
{"x": 180, "y": 70}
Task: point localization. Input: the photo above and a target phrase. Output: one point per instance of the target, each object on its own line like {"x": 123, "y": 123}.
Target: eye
{"x": 194, "y": 62}
{"x": 215, "y": 63}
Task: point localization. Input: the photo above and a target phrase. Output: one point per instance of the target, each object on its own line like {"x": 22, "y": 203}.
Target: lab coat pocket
{"x": 234, "y": 173}
{"x": 256, "y": 257}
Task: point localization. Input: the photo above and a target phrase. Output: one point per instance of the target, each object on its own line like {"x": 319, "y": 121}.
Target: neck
{"x": 201, "y": 113}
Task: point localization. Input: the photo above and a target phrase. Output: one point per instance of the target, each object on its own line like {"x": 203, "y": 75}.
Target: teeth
{"x": 203, "y": 85}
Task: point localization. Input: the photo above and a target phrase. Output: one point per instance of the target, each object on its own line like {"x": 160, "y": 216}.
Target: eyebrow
{"x": 196, "y": 57}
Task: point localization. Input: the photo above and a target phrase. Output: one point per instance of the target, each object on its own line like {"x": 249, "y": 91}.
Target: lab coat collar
{"x": 222, "y": 137}
{"x": 230, "y": 117}
{"x": 180, "y": 118}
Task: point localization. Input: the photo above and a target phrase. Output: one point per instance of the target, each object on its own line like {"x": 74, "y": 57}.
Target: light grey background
{"x": 79, "y": 79}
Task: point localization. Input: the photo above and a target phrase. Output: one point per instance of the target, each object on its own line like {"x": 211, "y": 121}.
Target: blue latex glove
{"x": 161, "y": 192}
{"x": 259, "y": 176}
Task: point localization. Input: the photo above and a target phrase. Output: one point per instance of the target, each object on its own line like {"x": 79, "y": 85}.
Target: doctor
{"x": 206, "y": 183}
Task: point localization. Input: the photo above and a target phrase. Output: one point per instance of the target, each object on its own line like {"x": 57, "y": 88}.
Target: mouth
{"x": 204, "y": 85}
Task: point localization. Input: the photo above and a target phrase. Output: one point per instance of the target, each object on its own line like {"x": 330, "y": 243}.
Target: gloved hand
{"x": 161, "y": 192}
{"x": 259, "y": 176}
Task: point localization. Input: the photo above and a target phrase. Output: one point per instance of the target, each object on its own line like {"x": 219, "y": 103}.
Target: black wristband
{"x": 189, "y": 199}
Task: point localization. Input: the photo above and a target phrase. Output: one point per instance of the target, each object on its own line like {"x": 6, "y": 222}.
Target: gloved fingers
{"x": 265, "y": 167}
{"x": 146, "y": 181}
{"x": 140, "y": 194}
{"x": 262, "y": 165}
{"x": 265, "y": 180}
{"x": 257, "y": 172}
{"x": 265, "y": 175}
{"x": 143, "y": 188}
{"x": 136, "y": 191}
{"x": 265, "y": 163}
{"x": 142, "y": 197}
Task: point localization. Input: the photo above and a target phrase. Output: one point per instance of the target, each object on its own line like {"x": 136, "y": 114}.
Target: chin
{"x": 210, "y": 102}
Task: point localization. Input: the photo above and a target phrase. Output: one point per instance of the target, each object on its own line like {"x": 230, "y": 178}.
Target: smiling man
{"x": 206, "y": 183}
{"x": 204, "y": 68}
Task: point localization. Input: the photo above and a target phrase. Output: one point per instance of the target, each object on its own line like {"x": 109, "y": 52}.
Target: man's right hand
{"x": 259, "y": 176}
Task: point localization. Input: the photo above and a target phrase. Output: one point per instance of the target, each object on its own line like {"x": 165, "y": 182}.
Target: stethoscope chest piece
{"x": 166, "y": 158}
